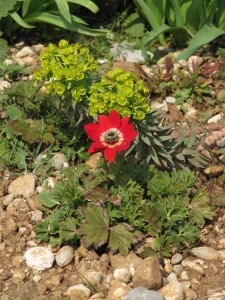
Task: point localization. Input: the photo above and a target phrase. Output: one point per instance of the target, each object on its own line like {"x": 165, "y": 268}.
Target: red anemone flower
{"x": 111, "y": 134}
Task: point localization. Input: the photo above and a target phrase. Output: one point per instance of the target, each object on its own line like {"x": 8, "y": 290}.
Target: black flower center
{"x": 111, "y": 136}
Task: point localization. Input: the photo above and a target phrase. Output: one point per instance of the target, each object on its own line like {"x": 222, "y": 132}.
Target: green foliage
{"x": 34, "y": 124}
{"x": 6, "y": 6}
{"x": 165, "y": 205}
{"x": 177, "y": 210}
{"x": 3, "y": 51}
{"x": 193, "y": 22}
{"x": 25, "y": 13}
{"x": 134, "y": 26}
{"x": 154, "y": 144}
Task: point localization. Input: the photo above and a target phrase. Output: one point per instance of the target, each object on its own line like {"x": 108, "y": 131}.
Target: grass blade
{"x": 86, "y": 3}
{"x": 64, "y": 9}
{"x": 61, "y": 22}
{"x": 19, "y": 20}
{"x": 178, "y": 14}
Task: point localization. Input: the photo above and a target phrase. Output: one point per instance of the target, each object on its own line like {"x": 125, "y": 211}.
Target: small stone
{"x": 122, "y": 274}
{"x": 190, "y": 112}
{"x": 168, "y": 268}
{"x": 4, "y": 84}
{"x": 37, "y": 278}
{"x": 8, "y": 62}
{"x": 185, "y": 284}
{"x": 11, "y": 225}
{"x": 25, "y": 51}
{"x": 34, "y": 203}
{"x": 215, "y": 118}
{"x": 22, "y": 186}
{"x": 222, "y": 159}
{"x": 54, "y": 281}
{"x": 221, "y": 143}
{"x": 143, "y": 294}
{"x": 178, "y": 269}
{"x": 222, "y": 243}
{"x": 173, "y": 291}
{"x": 172, "y": 277}
{"x": 190, "y": 294}
{"x": 151, "y": 278}
{"x": 214, "y": 171}
{"x": 17, "y": 260}
{"x": 192, "y": 266}
{"x": 184, "y": 275}
{"x": 19, "y": 274}
{"x": 2, "y": 246}
{"x": 78, "y": 291}
{"x": 97, "y": 296}
{"x": 8, "y": 199}
{"x": 59, "y": 160}
{"x": 160, "y": 106}
{"x": 41, "y": 288}
{"x": 20, "y": 205}
{"x": 39, "y": 258}
{"x": 117, "y": 290}
{"x": 171, "y": 100}
{"x": 36, "y": 216}
{"x": 207, "y": 253}
{"x": 176, "y": 259}
{"x": 94, "y": 159}
{"x": 64, "y": 256}
{"x": 92, "y": 277}
{"x": 19, "y": 45}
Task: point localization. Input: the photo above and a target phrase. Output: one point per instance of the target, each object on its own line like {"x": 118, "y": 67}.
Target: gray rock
{"x": 178, "y": 269}
{"x": 64, "y": 256}
{"x": 78, "y": 291}
{"x": 22, "y": 186}
{"x": 59, "y": 161}
{"x": 190, "y": 265}
{"x": 122, "y": 274}
{"x": 25, "y": 51}
{"x": 148, "y": 274}
{"x": 92, "y": 277}
{"x": 173, "y": 291}
{"x": 215, "y": 118}
{"x": 4, "y": 84}
{"x": 207, "y": 253}
{"x": 39, "y": 258}
{"x": 143, "y": 294}
{"x": 190, "y": 294}
{"x": 117, "y": 290}
{"x": 176, "y": 259}
{"x": 125, "y": 52}
{"x": 172, "y": 277}
{"x": 171, "y": 99}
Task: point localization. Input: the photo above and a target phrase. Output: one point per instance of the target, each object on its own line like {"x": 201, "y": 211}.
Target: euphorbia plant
{"x": 111, "y": 134}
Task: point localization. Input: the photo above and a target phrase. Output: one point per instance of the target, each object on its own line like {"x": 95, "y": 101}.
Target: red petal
{"x": 95, "y": 147}
{"x": 93, "y": 130}
{"x": 123, "y": 146}
{"x": 112, "y": 121}
{"x": 124, "y": 123}
{"x": 110, "y": 154}
{"x": 129, "y": 133}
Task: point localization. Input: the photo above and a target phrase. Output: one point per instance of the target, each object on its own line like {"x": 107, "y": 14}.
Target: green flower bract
{"x": 66, "y": 70}
{"x": 121, "y": 91}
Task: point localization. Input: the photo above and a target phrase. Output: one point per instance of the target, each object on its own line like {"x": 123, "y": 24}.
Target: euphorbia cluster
{"x": 121, "y": 91}
{"x": 67, "y": 69}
